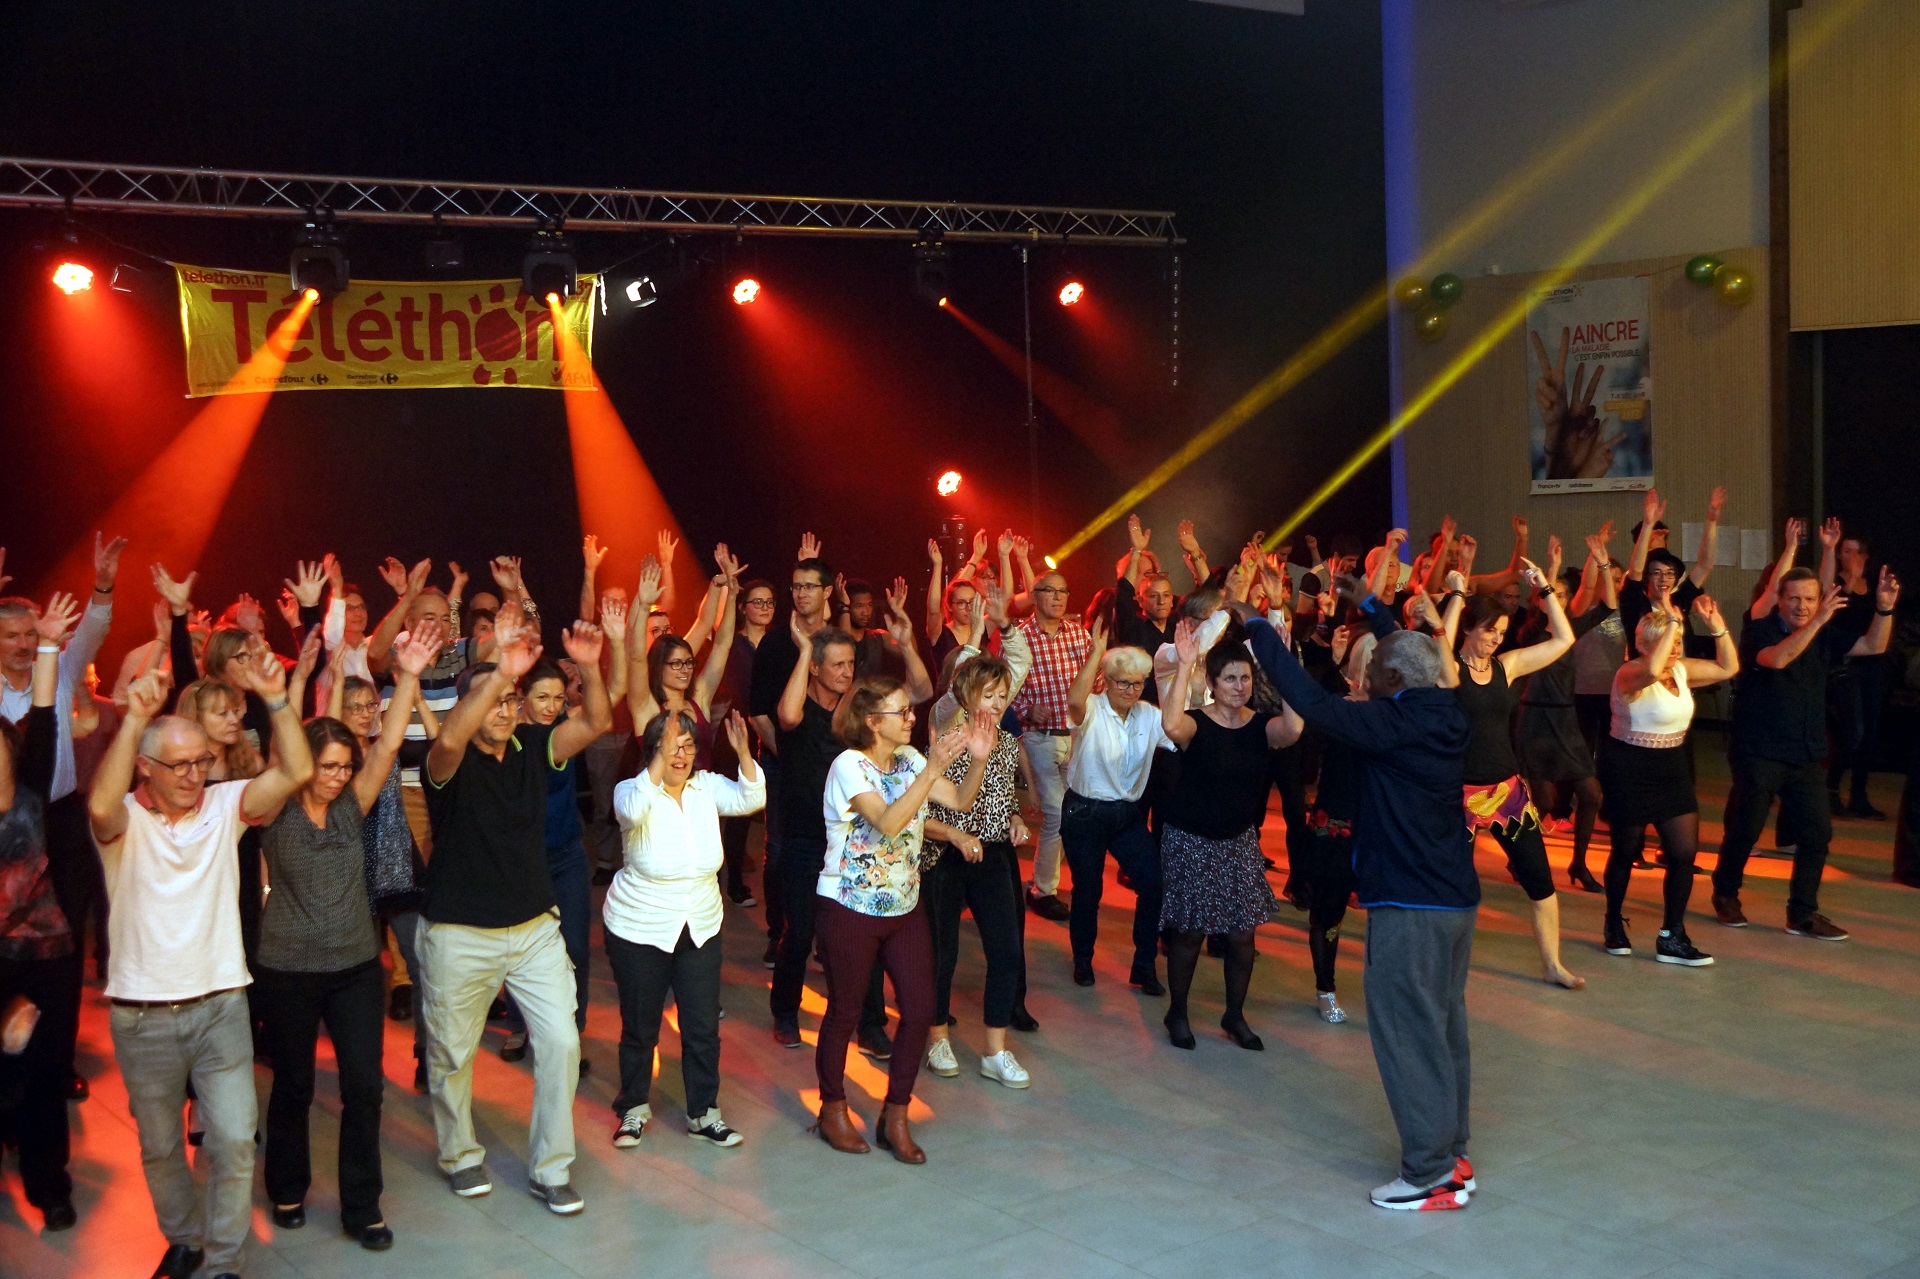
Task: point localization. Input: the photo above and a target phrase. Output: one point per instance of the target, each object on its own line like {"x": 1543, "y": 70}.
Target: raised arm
{"x": 1652, "y": 510}
{"x": 711, "y": 605}
{"x": 292, "y": 764}
{"x": 935, "y": 592}
{"x": 978, "y": 740}
{"x": 1491, "y": 583}
{"x": 412, "y": 654}
{"x": 1709, "y": 537}
{"x": 1782, "y": 655}
{"x": 1769, "y": 597}
{"x": 639, "y": 688}
{"x": 1137, "y": 539}
{"x": 1004, "y": 544}
{"x": 1190, "y": 552}
{"x": 1830, "y": 534}
{"x": 407, "y": 585}
{"x": 1726, "y": 654}
{"x": 1388, "y": 569}
{"x": 1521, "y": 662}
{"x": 106, "y": 802}
{"x": 1885, "y": 597}
{"x": 1082, "y": 687}
{"x": 1175, "y": 722}
{"x": 1638, "y": 673}
{"x": 793, "y": 698}
{"x": 613, "y": 625}
{"x": 900, "y": 631}
{"x": 518, "y": 649}
{"x": 303, "y": 668}
{"x": 573, "y": 733}
{"x": 591, "y": 553}
{"x": 1595, "y": 579}
{"x": 723, "y": 591}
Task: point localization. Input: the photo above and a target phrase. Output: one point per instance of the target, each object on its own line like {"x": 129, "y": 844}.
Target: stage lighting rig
{"x": 444, "y": 253}
{"x": 1071, "y": 292}
{"x": 948, "y": 484}
{"x": 549, "y": 266}
{"x": 642, "y": 292}
{"x": 746, "y": 291}
{"x": 930, "y": 260}
{"x": 319, "y": 260}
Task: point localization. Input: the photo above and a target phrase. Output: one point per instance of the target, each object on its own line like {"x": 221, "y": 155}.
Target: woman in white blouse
{"x": 662, "y": 918}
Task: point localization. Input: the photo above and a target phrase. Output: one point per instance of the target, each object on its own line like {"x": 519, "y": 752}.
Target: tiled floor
{"x": 1754, "y": 1118}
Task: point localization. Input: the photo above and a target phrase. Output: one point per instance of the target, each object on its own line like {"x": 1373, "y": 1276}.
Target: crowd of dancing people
{"x": 407, "y": 818}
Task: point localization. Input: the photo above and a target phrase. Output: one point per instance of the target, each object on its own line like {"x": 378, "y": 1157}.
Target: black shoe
{"x": 1146, "y": 982}
{"x": 1179, "y": 1034}
{"x": 586, "y": 1068}
{"x": 787, "y": 1036}
{"x": 773, "y": 954}
{"x": 61, "y": 1216}
{"x": 515, "y": 1047}
{"x": 876, "y": 1045}
{"x": 1082, "y": 973}
{"x": 1818, "y": 927}
{"x": 78, "y": 1090}
{"x": 1241, "y": 1033}
{"x": 420, "y": 1074}
{"x": 1614, "y": 937}
{"x": 1048, "y": 906}
{"x": 1677, "y": 948}
{"x": 1023, "y": 1021}
{"x": 289, "y": 1218}
{"x": 373, "y": 1238}
{"x": 400, "y": 1003}
{"x": 1581, "y": 877}
{"x": 1834, "y": 806}
{"x": 1124, "y": 880}
{"x": 1866, "y": 812}
{"x": 179, "y": 1262}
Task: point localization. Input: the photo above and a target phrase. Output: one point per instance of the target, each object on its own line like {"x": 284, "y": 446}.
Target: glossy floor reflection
{"x": 1758, "y": 1117}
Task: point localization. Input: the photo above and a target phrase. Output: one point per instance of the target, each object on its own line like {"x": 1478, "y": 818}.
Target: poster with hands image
{"x": 1590, "y": 387}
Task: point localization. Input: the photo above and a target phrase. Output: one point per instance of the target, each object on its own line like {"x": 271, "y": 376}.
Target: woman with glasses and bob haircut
{"x": 876, "y": 808}
{"x": 320, "y": 957}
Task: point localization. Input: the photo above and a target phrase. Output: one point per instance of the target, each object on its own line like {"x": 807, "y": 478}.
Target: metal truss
{"x": 120, "y": 188}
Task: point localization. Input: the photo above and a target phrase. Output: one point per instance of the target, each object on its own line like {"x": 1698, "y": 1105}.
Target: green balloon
{"x": 1445, "y": 289}
{"x": 1700, "y": 269}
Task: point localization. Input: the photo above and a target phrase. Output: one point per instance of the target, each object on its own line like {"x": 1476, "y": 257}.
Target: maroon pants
{"x": 852, "y": 941}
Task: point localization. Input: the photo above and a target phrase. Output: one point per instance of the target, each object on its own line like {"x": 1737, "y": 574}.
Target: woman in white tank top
{"x": 1647, "y": 776}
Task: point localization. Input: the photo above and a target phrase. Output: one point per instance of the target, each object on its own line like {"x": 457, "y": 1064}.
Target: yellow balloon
{"x": 1411, "y": 292}
{"x": 1431, "y": 324}
{"x": 1735, "y": 285}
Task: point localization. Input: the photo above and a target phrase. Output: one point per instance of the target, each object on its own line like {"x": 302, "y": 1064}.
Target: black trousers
{"x": 352, "y": 1003}
{"x": 80, "y": 885}
{"x": 733, "y": 847}
{"x": 1803, "y": 810}
{"x": 985, "y": 888}
{"x": 800, "y": 862}
{"x": 643, "y": 975}
{"x": 1089, "y": 830}
{"x": 33, "y": 1086}
{"x": 1856, "y": 694}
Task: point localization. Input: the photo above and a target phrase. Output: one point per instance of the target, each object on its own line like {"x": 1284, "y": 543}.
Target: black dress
{"x": 1214, "y": 877}
{"x": 1551, "y": 745}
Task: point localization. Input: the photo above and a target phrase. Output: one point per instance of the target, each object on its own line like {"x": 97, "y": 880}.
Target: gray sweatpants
{"x": 1416, "y": 984}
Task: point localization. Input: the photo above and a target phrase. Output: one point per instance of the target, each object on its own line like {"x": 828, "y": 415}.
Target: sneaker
{"x": 1614, "y": 937}
{"x": 876, "y": 1045}
{"x": 633, "y": 1126}
{"x": 562, "y": 1199}
{"x": 1727, "y": 911}
{"x": 940, "y": 1059}
{"x": 747, "y": 899}
{"x": 1048, "y": 906}
{"x": 514, "y": 1047}
{"x": 1401, "y": 1197}
{"x": 471, "y": 1183}
{"x": 1463, "y": 1173}
{"x": 1818, "y": 927}
{"x": 1003, "y": 1069}
{"x": 1677, "y": 948}
{"x": 713, "y": 1130}
{"x": 1330, "y": 1009}
{"x": 773, "y": 953}
{"x": 787, "y": 1036}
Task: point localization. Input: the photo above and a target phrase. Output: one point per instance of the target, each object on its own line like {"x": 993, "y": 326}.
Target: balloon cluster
{"x": 1734, "y": 285}
{"x": 1428, "y": 300}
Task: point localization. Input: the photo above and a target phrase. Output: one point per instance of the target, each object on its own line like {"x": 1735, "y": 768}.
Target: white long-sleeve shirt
{"x": 673, "y": 856}
{"x": 78, "y": 655}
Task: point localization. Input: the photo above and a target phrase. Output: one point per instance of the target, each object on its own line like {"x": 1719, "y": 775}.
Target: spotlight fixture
{"x": 643, "y": 292}
{"x": 549, "y": 266}
{"x": 930, "y": 258}
{"x": 125, "y": 278}
{"x": 948, "y": 484}
{"x": 1049, "y": 561}
{"x": 746, "y": 291}
{"x": 444, "y": 253}
{"x": 319, "y": 260}
{"x": 1071, "y": 292}
{"x": 72, "y": 277}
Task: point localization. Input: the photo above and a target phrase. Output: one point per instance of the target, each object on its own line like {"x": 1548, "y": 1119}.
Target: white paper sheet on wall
{"x": 1725, "y": 553}
{"x": 1755, "y": 548}
{"x": 1690, "y": 535}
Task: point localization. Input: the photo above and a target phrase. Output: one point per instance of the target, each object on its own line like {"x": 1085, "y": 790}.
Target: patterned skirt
{"x": 1213, "y": 885}
{"x": 1502, "y": 807}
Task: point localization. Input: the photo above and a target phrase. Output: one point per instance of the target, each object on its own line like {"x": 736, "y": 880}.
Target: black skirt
{"x": 1552, "y": 748}
{"x": 1645, "y": 785}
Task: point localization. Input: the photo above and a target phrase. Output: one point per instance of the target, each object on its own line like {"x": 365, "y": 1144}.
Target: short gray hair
{"x": 825, "y": 638}
{"x": 1127, "y": 662}
{"x": 1414, "y": 657}
{"x": 158, "y": 728}
{"x": 18, "y": 606}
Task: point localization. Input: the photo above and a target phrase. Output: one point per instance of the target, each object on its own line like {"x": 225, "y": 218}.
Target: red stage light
{"x": 1049, "y": 561}
{"x": 311, "y": 295}
{"x": 948, "y": 484}
{"x": 943, "y": 301}
{"x": 71, "y": 277}
{"x": 746, "y": 291}
{"x": 1071, "y": 292}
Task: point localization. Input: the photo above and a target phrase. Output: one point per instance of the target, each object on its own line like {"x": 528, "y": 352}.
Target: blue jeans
{"x": 1089, "y": 830}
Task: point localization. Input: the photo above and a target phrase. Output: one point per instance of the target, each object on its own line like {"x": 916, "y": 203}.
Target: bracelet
{"x": 47, "y": 648}
{"x": 274, "y": 708}
{"x": 1883, "y": 612}
{"x": 1718, "y": 634}
{"x": 104, "y": 590}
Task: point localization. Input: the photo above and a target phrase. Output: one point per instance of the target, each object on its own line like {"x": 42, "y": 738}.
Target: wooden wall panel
{"x": 1853, "y": 106}
{"x": 1468, "y": 455}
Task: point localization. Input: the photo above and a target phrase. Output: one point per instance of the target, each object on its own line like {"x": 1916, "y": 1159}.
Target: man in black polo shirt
{"x": 821, "y": 674}
{"x": 490, "y": 915}
{"x": 1780, "y": 737}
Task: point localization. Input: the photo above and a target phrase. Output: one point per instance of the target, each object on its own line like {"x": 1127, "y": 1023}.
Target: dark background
{"x": 834, "y": 408}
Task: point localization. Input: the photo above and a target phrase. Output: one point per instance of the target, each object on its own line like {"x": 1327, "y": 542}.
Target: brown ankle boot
{"x": 893, "y": 1135}
{"x": 836, "y": 1128}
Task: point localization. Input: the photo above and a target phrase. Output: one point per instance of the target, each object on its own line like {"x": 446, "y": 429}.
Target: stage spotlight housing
{"x": 948, "y": 484}
{"x": 642, "y": 292}
{"x": 746, "y": 291}
{"x": 319, "y": 260}
{"x": 1071, "y": 292}
{"x": 549, "y": 266}
{"x": 930, "y": 262}
{"x": 72, "y": 277}
{"x": 444, "y": 253}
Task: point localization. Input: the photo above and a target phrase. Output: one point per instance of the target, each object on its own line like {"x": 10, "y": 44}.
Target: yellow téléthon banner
{"x": 378, "y": 334}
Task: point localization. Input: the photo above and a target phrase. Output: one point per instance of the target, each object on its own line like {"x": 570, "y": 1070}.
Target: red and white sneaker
{"x": 1401, "y": 1197}
{"x": 1463, "y": 1173}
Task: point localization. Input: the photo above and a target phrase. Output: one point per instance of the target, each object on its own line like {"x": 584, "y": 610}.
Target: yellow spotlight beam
{"x": 1372, "y": 308}
{"x": 1676, "y": 163}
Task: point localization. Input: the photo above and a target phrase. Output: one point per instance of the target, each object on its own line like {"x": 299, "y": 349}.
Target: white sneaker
{"x": 1398, "y": 1195}
{"x": 1330, "y": 1009}
{"x": 632, "y": 1125}
{"x": 1003, "y": 1069}
{"x": 940, "y": 1059}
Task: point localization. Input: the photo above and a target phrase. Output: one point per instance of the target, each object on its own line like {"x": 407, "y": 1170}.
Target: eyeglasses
{"x": 679, "y": 664}
{"x": 359, "y": 708}
{"x": 1050, "y": 590}
{"x": 335, "y": 770}
{"x": 903, "y": 714}
{"x": 1119, "y": 685}
{"x": 512, "y": 702}
{"x": 760, "y": 603}
{"x": 809, "y": 586}
{"x": 185, "y": 768}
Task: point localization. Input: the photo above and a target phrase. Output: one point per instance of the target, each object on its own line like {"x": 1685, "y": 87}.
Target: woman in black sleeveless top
{"x": 1496, "y": 796}
{"x": 1214, "y": 878}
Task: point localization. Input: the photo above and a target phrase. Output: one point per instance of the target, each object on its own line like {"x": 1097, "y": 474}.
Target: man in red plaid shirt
{"x": 1060, "y": 646}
